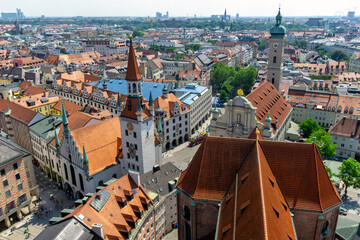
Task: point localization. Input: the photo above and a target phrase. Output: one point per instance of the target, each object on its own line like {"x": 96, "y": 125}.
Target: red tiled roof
{"x": 18, "y": 112}
{"x": 298, "y": 169}
{"x": 268, "y": 101}
{"x": 254, "y": 199}
{"x": 346, "y": 127}
{"x": 130, "y": 112}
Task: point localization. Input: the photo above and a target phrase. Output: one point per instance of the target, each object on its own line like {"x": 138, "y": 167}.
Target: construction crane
{"x": 151, "y": 25}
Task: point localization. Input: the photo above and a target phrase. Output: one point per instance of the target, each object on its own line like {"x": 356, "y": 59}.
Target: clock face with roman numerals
{"x": 129, "y": 126}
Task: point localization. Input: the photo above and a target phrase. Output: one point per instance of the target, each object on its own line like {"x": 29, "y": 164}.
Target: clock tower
{"x": 276, "y": 51}
{"x": 137, "y": 122}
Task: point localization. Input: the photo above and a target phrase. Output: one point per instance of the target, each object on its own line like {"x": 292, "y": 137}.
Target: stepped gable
{"x": 213, "y": 167}
{"x": 301, "y": 175}
{"x": 268, "y": 101}
{"x": 254, "y": 207}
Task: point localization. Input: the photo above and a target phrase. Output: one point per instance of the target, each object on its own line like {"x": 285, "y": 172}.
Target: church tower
{"x": 276, "y": 51}
{"x": 137, "y": 122}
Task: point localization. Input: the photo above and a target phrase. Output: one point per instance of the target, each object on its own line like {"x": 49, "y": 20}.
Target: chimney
{"x": 156, "y": 168}
{"x": 97, "y": 228}
{"x": 135, "y": 176}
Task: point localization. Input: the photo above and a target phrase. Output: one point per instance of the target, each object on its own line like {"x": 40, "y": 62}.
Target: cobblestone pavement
{"x": 31, "y": 222}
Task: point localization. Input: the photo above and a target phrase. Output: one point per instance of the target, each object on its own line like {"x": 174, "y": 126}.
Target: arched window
{"x": 129, "y": 106}
{"x": 129, "y": 87}
{"x": 139, "y": 87}
{"x": 72, "y": 171}
{"x": 81, "y": 182}
{"x": 134, "y": 88}
{"x": 333, "y": 109}
{"x": 339, "y": 109}
{"x": 239, "y": 117}
{"x": 346, "y": 111}
{"x": 66, "y": 172}
{"x": 101, "y": 183}
{"x": 325, "y": 228}
{"x": 274, "y": 59}
{"x": 273, "y": 80}
{"x": 351, "y": 110}
{"x": 186, "y": 213}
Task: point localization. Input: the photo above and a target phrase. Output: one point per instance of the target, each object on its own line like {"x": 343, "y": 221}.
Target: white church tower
{"x": 137, "y": 122}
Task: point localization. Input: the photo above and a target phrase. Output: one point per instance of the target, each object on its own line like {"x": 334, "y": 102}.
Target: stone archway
{"x": 174, "y": 144}
{"x": 167, "y": 146}
{"x": 186, "y": 138}
{"x": 180, "y": 141}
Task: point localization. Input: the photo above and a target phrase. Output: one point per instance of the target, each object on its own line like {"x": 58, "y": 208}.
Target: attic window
{"x": 285, "y": 207}
{"x": 228, "y": 198}
{"x": 276, "y": 212}
{"x": 289, "y": 237}
{"x": 244, "y": 206}
{"x": 272, "y": 183}
{"x": 243, "y": 178}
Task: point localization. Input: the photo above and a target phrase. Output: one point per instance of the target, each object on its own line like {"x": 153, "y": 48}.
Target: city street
{"x": 33, "y": 222}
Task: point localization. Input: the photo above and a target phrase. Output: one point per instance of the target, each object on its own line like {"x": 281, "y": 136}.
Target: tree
{"x": 223, "y": 96}
{"x": 137, "y": 33}
{"x": 338, "y": 55}
{"x": 179, "y": 56}
{"x": 324, "y": 143}
{"x": 170, "y": 49}
{"x": 262, "y": 43}
{"x": 330, "y": 173}
{"x": 321, "y": 50}
{"x": 155, "y": 48}
{"x": 212, "y": 41}
{"x": 350, "y": 173}
{"x": 192, "y": 46}
{"x": 308, "y": 127}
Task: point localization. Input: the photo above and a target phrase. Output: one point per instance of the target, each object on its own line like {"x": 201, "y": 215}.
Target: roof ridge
{"x": 317, "y": 176}
{"x": 261, "y": 190}
{"x": 201, "y": 162}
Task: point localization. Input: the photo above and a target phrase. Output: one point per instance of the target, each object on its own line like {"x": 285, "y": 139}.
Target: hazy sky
{"x": 178, "y": 7}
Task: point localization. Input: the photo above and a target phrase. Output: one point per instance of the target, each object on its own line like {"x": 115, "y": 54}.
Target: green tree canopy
{"x": 262, "y": 44}
{"x": 235, "y": 78}
{"x": 192, "y": 46}
{"x": 155, "y": 48}
{"x": 223, "y": 96}
{"x": 179, "y": 56}
{"x": 137, "y": 33}
{"x": 308, "y": 127}
{"x": 338, "y": 55}
{"x": 350, "y": 173}
{"x": 212, "y": 41}
{"x": 321, "y": 50}
{"x": 324, "y": 142}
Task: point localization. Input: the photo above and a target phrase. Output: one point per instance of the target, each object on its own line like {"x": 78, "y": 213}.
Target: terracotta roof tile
{"x": 18, "y": 112}
{"x": 346, "y": 127}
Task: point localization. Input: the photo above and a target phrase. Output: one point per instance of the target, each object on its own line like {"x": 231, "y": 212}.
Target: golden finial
{"x": 257, "y": 134}
{"x": 130, "y": 36}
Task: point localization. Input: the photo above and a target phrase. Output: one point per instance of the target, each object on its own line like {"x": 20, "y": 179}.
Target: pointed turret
{"x": 64, "y": 117}
{"x": 85, "y": 161}
{"x": 151, "y": 104}
{"x": 118, "y": 105}
{"x": 139, "y": 110}
{"x": 165, "y": 92}
{"x": 133, "y": 73}
{"x": 57, "y": 142}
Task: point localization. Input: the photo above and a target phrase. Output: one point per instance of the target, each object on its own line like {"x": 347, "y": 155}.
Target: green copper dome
{"x": 278, "y": 31}
{"x": 268, "y": 119}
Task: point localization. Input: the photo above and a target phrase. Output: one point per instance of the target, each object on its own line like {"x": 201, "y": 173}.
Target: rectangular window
{"x": 15, "y": 166}
{"x": 17, "y": 176}
{"x": 5, "y": 183}
{"x": 135, "y": 146}
{"x": 134, "y": 134}
{"x": 127, "y": 144}
{"x": 22, "y": 198}
{"x": 126, "y": 132}
{"x": 137, "y": 168}
{"x": 20, "y": 187}
{"x": 8, "y": 194}
{"x": 136, "y": 158}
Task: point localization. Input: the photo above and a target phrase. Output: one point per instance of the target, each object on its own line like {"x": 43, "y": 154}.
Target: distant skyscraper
{"x": 167, "y": 14}
{"x": 351, "y": 14}
{"x": 158, "y": 15}
{"x": 237, "y": 16}
{"x": 20, "y": 14}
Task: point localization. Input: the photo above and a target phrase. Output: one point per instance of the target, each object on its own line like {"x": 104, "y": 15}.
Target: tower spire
{"x": 151, "y": 102}
{"x": 57, "y": 142}
{"x": 64, "y": 117}
{"x": 85, "y": 158}
{"x": 132, "y": 73}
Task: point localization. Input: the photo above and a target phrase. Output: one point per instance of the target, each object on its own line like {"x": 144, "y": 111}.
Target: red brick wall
{"x": 308, "y": 225}
{"x": 203, "y": 217}
{"x": 13, "y": 183}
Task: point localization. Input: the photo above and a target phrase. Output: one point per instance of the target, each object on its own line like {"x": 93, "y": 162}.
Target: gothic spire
{"x": 132, "y": 73}
{"x": 138, "y": 107}
{"x": 118, "y": 103}
{"x": 151, "y": 102}
{"x": 85, "y": 158}
{"x": 64, "y": 117}
{"x": 57, "y": 142}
